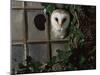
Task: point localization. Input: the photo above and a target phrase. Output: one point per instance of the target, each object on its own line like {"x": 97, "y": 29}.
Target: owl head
{"x": 60, "y": 20}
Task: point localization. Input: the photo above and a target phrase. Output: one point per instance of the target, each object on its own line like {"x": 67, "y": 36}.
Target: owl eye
{"x": 56, "y": 19}
{"x": 64, "y": 20}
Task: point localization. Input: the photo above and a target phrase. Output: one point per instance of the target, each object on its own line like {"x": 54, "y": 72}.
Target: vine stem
{"x": 78, "y": 23}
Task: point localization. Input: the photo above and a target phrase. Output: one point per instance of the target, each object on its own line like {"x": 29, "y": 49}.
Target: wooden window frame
{"x": 26, "y": 42}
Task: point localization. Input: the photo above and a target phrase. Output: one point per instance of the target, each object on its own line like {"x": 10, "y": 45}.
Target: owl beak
{"x": 61, "y": 24}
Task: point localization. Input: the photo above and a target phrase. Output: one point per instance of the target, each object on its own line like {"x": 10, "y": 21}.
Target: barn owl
{"x": 60, "y": 20}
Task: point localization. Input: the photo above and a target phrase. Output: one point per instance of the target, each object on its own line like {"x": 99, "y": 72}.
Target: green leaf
{"x": 93, "y": 50}
{"x": 71, "y": 9}
{"x": 53, "y": 60}
{"x": 82, "y": 60}
{"x": 66, "y": 7}
{"x": 78, "y": 8}
{"x": 21, "y": 66}
{"x": 36, "y": 66}
{"x": 50, "y": 8}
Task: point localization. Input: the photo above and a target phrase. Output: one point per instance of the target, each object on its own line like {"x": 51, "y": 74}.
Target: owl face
{"x": 60, "y": 20}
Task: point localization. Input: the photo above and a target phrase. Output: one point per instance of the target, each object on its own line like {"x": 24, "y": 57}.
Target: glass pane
{"x": 17, "y": 24}
{"x": 34, "y": 5}
{"x": 17, "y": 55}
{"x": 58, "y": 46}
{"x": 17, "y": 4}
{"x": 33, "y": 32}
{"x": 39, "y": 52}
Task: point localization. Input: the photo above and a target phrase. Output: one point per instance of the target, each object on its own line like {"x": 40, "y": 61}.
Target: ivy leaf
{"x": 63, "y": 56}
{"x": 78, "y": 8}
{"x": 52, "y": 61}
{"x": 72, "y": 10}
{"x": 36, "y": 66}
{"x": 82, "y": 60}
{"x": 21, "y": 66}
{"x": 50, "y": 8}
{"x": 60, "y": 54}
{"x": 93, "y": 50}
